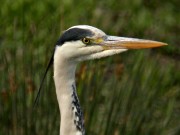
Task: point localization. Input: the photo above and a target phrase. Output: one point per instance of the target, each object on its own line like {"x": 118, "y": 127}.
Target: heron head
{"x": 83, "y": 42}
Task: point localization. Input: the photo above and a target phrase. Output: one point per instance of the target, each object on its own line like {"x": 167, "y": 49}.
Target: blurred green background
{"x": 134, "y": 93}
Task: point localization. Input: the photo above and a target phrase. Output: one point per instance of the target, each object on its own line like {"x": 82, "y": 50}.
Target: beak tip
{"x": 163, "y": 44}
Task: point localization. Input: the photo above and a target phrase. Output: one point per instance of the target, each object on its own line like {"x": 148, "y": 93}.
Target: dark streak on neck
{"x": 78, "y": 121}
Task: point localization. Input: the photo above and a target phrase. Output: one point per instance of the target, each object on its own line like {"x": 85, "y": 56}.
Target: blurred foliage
{"x": 134, "y": 93}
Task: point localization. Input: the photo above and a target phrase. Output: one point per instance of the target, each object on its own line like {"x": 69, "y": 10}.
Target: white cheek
{"x": 101, "y": 54}
{"x": 69, "y": 49}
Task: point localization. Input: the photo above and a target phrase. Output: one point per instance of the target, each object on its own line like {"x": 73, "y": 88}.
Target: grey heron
{"x": 76, "y": 44}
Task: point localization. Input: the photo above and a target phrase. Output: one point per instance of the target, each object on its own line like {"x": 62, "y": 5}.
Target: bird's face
{"x": 84, "y": 42}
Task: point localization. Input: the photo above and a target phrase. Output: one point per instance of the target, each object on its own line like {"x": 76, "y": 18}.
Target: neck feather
{"x": 71, "y": 114}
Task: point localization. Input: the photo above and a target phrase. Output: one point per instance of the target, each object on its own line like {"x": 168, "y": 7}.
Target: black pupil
{"x": 86, "y": 40}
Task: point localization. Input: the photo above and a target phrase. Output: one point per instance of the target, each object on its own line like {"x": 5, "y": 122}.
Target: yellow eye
{"x": 86, "y": 40}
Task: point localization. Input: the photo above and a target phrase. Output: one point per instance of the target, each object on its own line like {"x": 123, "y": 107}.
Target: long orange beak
{"x": 114, "y": 42}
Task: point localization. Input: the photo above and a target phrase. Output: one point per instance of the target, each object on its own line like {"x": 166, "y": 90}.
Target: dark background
{"x": 135, "y": 93}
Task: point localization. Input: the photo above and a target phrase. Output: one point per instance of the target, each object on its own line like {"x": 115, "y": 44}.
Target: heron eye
{"x": 86, "y": 40}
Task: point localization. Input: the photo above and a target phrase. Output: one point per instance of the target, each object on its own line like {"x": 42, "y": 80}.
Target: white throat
{"x": 64, "y": 78}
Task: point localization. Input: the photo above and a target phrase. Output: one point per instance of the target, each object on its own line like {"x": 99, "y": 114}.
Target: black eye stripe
{"x": 73, "y": 35}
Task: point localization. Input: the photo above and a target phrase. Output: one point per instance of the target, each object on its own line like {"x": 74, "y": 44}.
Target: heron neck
{"x": 71, "y": 114}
